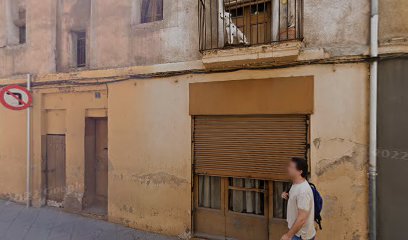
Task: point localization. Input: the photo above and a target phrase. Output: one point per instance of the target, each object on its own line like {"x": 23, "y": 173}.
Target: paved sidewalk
{"x": 19, "y": 223}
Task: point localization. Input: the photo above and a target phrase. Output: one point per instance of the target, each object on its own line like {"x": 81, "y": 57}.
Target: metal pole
{"x": 373, "y": 122}
{"x": 28, "y": 180}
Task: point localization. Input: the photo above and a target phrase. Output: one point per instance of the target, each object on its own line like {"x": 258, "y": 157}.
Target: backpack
{"x": 318, "y": 204}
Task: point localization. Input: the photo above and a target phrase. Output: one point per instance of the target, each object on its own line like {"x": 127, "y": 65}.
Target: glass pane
{"x": 152, "y": 10}
{"x": 249, "y": 201}
{"x": 209, "y": 192}
{"x": 258, "y": 8}
{"x": 279, "y": 204}
{"x": 236, "y": 12}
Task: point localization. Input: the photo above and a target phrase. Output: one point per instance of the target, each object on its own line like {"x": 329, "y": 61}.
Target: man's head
{"x": 297, "y": 168}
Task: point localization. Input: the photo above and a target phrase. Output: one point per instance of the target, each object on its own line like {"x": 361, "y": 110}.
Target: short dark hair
{"x": 301, "y": 165}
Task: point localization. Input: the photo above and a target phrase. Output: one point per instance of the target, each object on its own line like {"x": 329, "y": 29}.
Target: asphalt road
{"x": 20, "y": 223}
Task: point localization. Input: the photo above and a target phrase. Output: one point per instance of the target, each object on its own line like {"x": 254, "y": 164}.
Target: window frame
{"x": 78, "y": 36}
{"x": 170, "y": 18}
{"x": 22, "y": 34}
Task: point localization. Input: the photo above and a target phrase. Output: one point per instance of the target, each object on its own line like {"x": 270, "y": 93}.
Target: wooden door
{"x": 254, "y": 21}
{"x": 101, "y": 160}
{"x": 55, "y": 168}
{"x": 246, "y": 215}
{"x": 225, "y": 211}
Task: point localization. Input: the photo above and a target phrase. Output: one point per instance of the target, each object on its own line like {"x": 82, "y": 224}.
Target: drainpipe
{"x": 373, "y": 122}
{"x": 28, "y": 180}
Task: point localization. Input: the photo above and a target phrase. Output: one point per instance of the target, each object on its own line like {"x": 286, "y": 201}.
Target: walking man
{"x": 300, "y": 210}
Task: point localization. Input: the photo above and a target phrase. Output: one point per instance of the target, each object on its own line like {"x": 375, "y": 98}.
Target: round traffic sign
{"x": 15, "y": 97}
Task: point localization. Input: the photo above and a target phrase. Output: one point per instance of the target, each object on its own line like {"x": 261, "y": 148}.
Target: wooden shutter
{"x": 248, "y": 146}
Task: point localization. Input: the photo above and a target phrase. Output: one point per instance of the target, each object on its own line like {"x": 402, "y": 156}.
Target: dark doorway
{"x": 55, "y": 170}
{"x": 96, "y": 166}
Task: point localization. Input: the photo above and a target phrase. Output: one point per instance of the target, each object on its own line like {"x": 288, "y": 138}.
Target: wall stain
{"x": 316, "y": 143}
{"x": 330, "y": 164}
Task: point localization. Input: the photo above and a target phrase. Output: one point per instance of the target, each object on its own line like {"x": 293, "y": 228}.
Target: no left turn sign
{"x": 15, "y": 97}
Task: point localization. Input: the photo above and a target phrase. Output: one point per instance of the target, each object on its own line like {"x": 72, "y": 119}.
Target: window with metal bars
{"x": 227, "y": 23}
{"x": 80, "y": 42}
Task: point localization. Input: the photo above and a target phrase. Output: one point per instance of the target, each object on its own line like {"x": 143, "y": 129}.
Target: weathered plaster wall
{"x": 72, "y": 16}
{"x": 150, "y": 156}
{"x": 340, "y": 26}
{"x": 393, "y": 20}
{"x": 150, "y": 149}
{"x": 12, "y": 154}
{"x": 119, "y": 39}
{"x": 150, "y": 146}
{"x": 37, "y": 55}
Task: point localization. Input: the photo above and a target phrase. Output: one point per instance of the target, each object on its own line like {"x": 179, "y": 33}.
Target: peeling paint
{"x": 352, "y": 155}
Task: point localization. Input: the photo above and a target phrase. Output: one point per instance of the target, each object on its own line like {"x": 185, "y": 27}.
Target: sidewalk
{"x": 19, "y": 223}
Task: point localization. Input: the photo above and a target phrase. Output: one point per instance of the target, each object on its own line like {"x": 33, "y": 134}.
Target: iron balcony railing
{"x": 229, "y": 23}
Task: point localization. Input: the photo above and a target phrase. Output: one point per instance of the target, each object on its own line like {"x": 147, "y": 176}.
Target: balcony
{"x": 225, "y": 24}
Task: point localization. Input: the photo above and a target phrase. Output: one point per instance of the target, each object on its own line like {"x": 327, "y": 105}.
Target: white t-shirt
{"x": 301, "y": 197}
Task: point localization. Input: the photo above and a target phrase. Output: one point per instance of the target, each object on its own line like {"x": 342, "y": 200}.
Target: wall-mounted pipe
{"x": 372, "y": 172}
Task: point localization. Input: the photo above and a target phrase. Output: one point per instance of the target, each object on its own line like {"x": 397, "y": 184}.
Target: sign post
{"x": 18, "y": 98}
{"x": 28, "y": 180}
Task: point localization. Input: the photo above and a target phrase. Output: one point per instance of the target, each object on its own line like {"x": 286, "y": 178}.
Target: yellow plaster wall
{"x": 150, "y": 146}
{"x": 12, "y": 154}
{"x": 149, "y": 155}
{"x": 55, "y": 122}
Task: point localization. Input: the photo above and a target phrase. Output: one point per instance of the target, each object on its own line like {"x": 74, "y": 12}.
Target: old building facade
{"x": 178, "y": 117}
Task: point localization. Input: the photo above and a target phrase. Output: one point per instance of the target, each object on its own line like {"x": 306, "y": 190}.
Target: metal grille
{"x": 256, "y": 147}
{"x": 81, "y": 49}
{"x": 228, "y": 23}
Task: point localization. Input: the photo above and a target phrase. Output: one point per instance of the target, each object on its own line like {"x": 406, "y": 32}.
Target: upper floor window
{"x": 16, "y": 24}
{"x": 79, "y": 40}
{"x": 21, "y": 26}
{"x": 152, "y": 10}
{"x": 226, "y": 23}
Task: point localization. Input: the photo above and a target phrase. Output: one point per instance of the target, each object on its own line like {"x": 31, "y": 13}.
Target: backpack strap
{"x": 319, "y": 222}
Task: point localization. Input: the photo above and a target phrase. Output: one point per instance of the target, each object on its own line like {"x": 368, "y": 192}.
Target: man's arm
{"x": 300, "y": 221}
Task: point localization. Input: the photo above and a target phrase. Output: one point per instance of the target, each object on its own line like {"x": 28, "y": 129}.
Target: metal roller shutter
{"x": 248, "y": 146}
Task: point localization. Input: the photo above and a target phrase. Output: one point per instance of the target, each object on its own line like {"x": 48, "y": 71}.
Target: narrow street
{"x": 19, "y": 223}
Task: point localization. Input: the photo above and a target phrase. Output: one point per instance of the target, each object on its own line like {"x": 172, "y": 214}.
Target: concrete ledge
{"x": 396, "y": 45}
{"x": 225, "y": 58}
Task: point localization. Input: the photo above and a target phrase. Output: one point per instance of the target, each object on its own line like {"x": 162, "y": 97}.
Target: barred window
{"x": 152, "y": 10}
{"x": 80, "y": 48}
